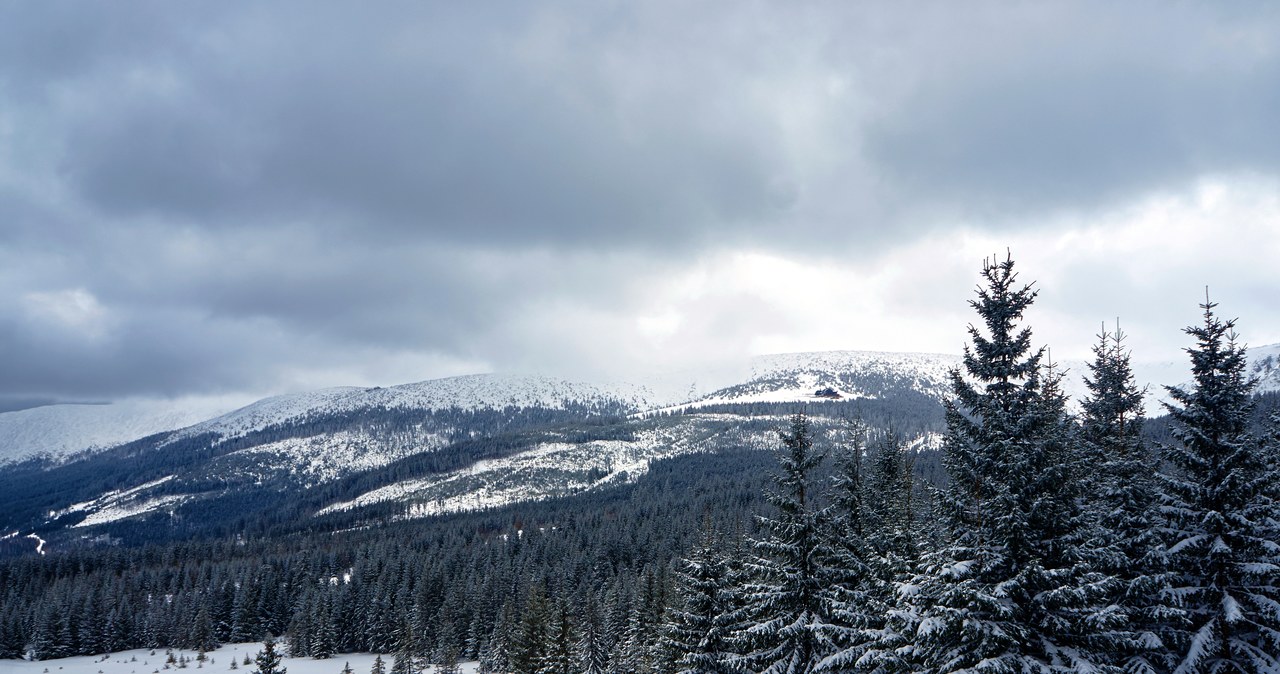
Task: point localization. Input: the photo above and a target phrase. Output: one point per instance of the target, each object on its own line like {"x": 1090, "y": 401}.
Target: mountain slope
{"x": 58, "y": 430}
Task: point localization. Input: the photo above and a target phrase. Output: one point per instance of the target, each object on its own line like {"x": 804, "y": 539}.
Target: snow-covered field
{"x": 143, "y": 661}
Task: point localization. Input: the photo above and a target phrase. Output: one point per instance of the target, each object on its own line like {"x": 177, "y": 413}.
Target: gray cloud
{"x": 1070, "y": 109}
{"x": 233, "y": 193}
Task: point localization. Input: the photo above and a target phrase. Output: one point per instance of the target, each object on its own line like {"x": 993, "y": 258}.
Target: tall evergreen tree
{"x": 592, "y": 651}
{"x": 788, "y": 610}
{"x": 1129, "y": 548}
{"x": 559, "y": 657}
{"x": 530, "y": 640}
{"x": 1223, "y": 524}
{"x": 1009, "y": 590}
{"x": 699, "y": 630}
{"x": 887, "y": 543}
{"x": 856, "y": 595}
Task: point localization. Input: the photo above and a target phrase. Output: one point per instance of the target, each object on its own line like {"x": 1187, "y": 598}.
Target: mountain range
{"x": 352, "y": 457}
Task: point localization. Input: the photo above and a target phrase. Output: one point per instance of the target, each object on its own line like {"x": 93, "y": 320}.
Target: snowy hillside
{"x": 833, "y": 375}
{"x": 1264, "y": 364}
{"x": 471, "y": 392}
{"x": 56, "y": 430}
{"x": 556, "y": 468}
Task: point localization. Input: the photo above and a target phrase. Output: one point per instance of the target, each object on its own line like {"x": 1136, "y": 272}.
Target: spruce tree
{"x": 880, "y": 634}
{"x": 1129, "y": 551}
{"x": 1009, "y": 591}
{"x": 559, "y": 656}
{"x": 268, "y": 660}
{"x": 699, "y": 630}
{"x": 1223, "y": 526}
{"x": 592, "y": 651}
{"x": 856, "y": 594}
{"x": 529, "y": 644}
{"x": 787, "y": 607}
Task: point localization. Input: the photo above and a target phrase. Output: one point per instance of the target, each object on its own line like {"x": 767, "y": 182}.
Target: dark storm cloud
{"x": 594, "y": 124}
{"x": 205, "y": 197}
{"x": 478, "y": 126}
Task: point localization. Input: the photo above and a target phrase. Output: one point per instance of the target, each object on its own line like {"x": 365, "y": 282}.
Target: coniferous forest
{"x": 1046, "y": 535}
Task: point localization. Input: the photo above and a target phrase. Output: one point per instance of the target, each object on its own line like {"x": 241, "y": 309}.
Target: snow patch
{"x": 39, "y": 542}
{"x": 121, "y": 511}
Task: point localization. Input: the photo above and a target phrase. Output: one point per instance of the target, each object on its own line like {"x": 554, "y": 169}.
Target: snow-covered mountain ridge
{"x": 56, "y": 431}
{"x": 60, "y": 430}
{"x": 834, "y": 375}
{"x": 462, "y": 443}
{"x": 468, "y": 392}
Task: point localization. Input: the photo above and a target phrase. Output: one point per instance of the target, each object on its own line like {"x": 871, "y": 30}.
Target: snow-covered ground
{"x": 142, "y": 661}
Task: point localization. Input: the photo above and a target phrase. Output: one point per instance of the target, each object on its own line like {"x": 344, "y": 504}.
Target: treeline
{"x": 1059, "y": 542}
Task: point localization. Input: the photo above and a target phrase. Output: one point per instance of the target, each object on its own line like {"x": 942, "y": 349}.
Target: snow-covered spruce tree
{"x": 857, "y": 596}
{"x": 1009, "y": 591}
{"x": 699, "y": 629}
{"x": 891, "y": 553}
{"x": 786, "y": 609}
{"x": 1128, "y": 546}
{"x": 530, "y": 640}
{"x": 268, "y": 659}
{"x": 559, "y": 657}
{"x": 591, "y": 650}
{"x": 1220, "y": 500}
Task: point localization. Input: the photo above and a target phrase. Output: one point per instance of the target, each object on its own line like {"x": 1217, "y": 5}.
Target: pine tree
{"x": 268, "y": 660}
{"x": 378, "y": 666}
{"x": 447, "y": 660}
{"x": 1129, "y": 551}
{"x": 405, "y": 660}
{"x": 495, "y": 655}
{"x": 1223, "y": 524}
{"x": 1009, "y": 591}
{"x": 787, "y": 609}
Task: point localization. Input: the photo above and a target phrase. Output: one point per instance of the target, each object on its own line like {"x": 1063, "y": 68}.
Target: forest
{"x": 1044, "y": 535}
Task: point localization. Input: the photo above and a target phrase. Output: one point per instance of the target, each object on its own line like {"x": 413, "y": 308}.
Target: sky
{"x": 245, "y": 198}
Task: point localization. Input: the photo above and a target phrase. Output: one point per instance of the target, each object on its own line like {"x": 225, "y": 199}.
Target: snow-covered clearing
{"x": 142, "y": 661}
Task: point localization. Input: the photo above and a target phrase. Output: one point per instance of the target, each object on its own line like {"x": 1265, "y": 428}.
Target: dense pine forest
{"x": 1045, "y": 535}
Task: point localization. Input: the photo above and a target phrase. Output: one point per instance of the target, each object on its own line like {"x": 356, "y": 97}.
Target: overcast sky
{"x": 250, "y": 198}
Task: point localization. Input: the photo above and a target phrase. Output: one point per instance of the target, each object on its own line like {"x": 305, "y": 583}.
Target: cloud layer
{"x": 246, "y": 197}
